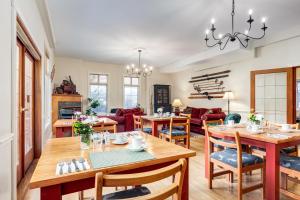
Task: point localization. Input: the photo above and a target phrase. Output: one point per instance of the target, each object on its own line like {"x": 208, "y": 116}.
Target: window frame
{"x": 130, "y": 85}
{"x": 106, "y": 84}
{"x": 47, "y": 89}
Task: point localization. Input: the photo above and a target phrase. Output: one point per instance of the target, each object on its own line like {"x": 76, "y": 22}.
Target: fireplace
{"x": 67, "y": 108}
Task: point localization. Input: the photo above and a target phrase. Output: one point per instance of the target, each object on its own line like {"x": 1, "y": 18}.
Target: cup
{"x": 119, "y": 138}
{"x": 137, "y": 142}
{"x": 254, "y": 128}
{"x": 231, "y": 122}
{"x": 285, "y": 127}
{"x": 172, "y": 114}
{"x": 167, "y": 114}
{"x": 155, "y": 114}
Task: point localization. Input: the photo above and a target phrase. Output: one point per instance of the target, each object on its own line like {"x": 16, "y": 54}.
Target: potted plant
{"x": 84, "y": 130}
{"x": 92, "y": 104}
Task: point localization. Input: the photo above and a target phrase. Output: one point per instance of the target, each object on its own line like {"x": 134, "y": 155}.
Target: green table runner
{"x": 117, "y": 157}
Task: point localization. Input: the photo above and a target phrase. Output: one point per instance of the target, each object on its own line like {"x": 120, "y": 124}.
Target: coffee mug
{"x": 119, "y": 138}
{"x": 137, "y": 142}
{"x": 254, "y": 128}
{"x": 285, "y": 127}
{"x": 231, "y": 122}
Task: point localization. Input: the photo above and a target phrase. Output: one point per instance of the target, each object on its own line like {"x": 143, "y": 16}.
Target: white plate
{"x": 286, "y": 130}
{"x": 141, "y": 148}
{"x": 125, "y": 141}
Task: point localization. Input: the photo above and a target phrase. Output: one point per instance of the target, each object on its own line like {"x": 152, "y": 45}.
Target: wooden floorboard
{"x": 222, "y": 189}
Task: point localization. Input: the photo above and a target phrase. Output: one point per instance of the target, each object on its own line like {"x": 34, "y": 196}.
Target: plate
{"x": 141, "y": 148}
{"x": 256, "y": 132}
{"x": 125, "y": 141}
{"x": 286, "y": 130}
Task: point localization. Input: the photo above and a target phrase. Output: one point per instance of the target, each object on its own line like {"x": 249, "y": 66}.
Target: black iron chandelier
{"x": 243, "y": 38}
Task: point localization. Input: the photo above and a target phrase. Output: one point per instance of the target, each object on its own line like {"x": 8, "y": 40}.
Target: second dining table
{"x": 272, "y": 140}
{"x": 155, "y": 121}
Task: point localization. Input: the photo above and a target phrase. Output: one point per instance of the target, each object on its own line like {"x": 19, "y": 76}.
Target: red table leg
{"x": 185, "y": 186}
{"x": 59, "y": 132}
{"x": 51, "y": 193}
{"x": 154, "y": 128}
{"x": 206, "y": 157}
{"x": 272, "y": 175}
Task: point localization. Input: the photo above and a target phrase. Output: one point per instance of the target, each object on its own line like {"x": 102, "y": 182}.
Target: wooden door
{"x": 26, "y": 95}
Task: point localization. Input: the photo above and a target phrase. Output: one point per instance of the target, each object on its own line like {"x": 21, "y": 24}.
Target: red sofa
{"x": 124, "y": 117}
{"x": 200, "y": 114}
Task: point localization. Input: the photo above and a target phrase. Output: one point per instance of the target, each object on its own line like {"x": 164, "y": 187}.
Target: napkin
{"x": 72, "y": 166}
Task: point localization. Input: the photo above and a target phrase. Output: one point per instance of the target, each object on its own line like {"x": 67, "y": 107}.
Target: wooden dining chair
{"x": 142, "y": 193}
{"x": 290, "y": 170}
{"x": 232, "y": 159}
{"x": 183, "y": 115}
{"x": 208, "y": 123}
{"x": 101, "y": 127}
{"x": 138, "y": 124}
{"x": 171, "y": 134}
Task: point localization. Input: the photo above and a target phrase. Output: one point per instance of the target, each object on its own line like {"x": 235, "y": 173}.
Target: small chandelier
{"x": 139, "y": 70}
{"x": 243, "y": 38}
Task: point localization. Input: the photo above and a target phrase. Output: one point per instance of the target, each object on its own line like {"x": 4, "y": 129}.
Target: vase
{"x": 85, "y": 142}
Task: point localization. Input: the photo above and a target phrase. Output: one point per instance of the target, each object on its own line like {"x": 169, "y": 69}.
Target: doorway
{"x": 29, "y": 90}
{"x": 26, "y": 66}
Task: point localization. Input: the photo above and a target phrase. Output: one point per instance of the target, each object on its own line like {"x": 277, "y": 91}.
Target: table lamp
{"x": 229, "y": 96}
{"x": 176, "y": 104}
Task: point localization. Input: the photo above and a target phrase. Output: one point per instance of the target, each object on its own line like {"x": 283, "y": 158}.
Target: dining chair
{"x": 142, "y": 193}
{"x": 290, "y": 170}
{"x": 292, "y": 151}
{"x": 183, "y": 115}
{"x": 101, "y": 127}
{"x": 233, "y": 160}
{"x": 138, "y": 124}
{"x": 171, "y": 134}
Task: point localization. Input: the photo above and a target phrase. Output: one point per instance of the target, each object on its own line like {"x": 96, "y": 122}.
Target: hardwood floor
{"x": 222, "y": 189}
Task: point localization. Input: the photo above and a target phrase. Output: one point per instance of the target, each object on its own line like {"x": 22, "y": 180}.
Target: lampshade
{"x": 228, "y": 95}
{"x": 177, "y": 103}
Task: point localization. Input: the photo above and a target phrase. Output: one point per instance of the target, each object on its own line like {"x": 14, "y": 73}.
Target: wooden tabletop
{"x": 60, "y": 149}
{"x": 153, "y": 118}
{"x": 69, "y": 122}
{"x": 294, "y": 135}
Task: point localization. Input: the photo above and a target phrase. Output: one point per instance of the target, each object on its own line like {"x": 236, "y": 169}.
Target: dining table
{"x": 53, "y": 186}
{"x": 270, "y": 139}
{"x": 63, "y": 127}
{"x": 159, "y": 120}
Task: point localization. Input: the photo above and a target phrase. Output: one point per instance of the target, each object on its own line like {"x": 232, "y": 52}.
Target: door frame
{"x": 291, "y": 118}
{"x": 37, "y": 98}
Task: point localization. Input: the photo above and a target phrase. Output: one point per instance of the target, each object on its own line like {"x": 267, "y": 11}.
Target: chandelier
{"x": 139, "y": 70}
{"x": 243, "y": 38}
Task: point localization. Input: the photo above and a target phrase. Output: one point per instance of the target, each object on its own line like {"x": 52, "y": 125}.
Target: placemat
{"x": 117, "y": 157}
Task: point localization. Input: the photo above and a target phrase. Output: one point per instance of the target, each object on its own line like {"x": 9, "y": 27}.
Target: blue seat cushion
{"x": 179, "y": 127}
{"x": 291, "y": 162}
{"x": 146, "y": 130}
{"x": 286, "y": 150}
{"x": 125, "y": 194}
{"x": 229, "y": 156}
{"x": 175, "y": 132}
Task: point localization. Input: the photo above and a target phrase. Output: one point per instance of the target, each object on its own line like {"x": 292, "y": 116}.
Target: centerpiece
{"x": 255, "y": 121}
{"x": 84, "y": 130}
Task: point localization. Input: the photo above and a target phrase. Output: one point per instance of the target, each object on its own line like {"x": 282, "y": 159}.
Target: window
{"x": 48, "y": 90}
{"x": 131, "y": 92}
{"x": 98, "y": 90}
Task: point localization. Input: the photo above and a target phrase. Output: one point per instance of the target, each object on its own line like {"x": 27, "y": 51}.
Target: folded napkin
{"x": 65, "y": 167}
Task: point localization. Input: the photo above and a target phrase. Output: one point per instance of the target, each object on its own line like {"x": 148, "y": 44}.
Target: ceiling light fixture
{"x": 243, "y": 38}
{"x": 139, "y": 70}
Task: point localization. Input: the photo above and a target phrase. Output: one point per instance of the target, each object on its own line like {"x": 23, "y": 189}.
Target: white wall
{"x": 79, "y": 69}
{"x": 6, "y": 147}
{"x": 281, "y": 54}
{"x": 29, "y": 14}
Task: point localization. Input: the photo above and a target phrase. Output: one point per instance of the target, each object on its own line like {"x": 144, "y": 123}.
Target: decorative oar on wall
{"x": 209, "y": 86}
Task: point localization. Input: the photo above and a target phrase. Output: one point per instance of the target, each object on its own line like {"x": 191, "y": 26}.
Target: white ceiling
{"x": 109, "y": 31}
